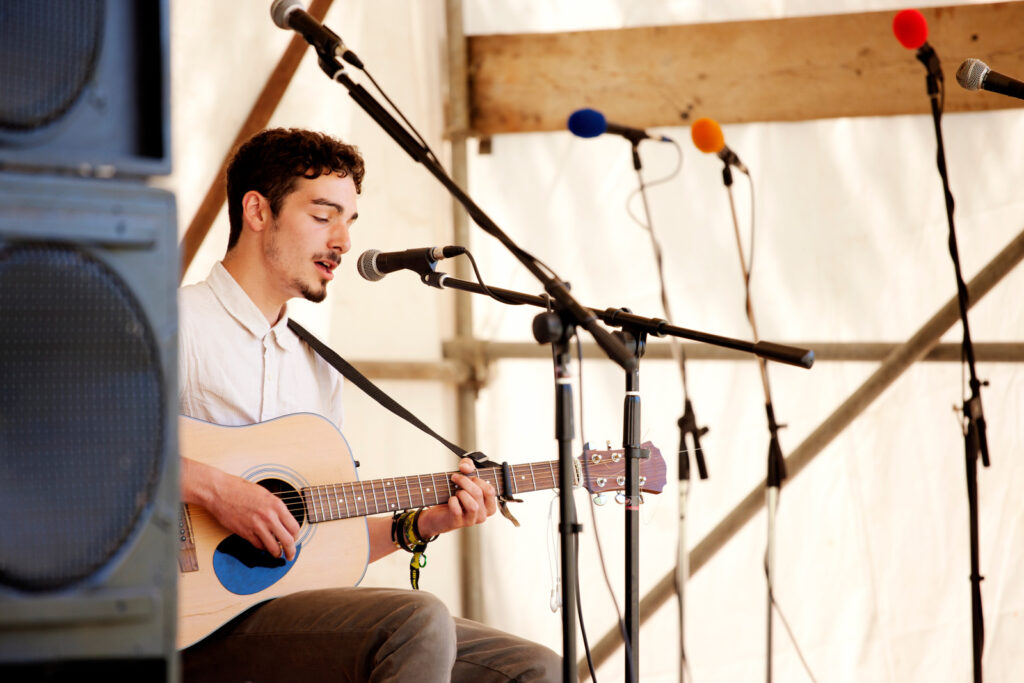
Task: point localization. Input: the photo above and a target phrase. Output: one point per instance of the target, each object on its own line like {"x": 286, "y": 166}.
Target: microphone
{"x": 975, "y": 74}
{"x": 374, "y": 265}
{"x": 911, "y": 29}
{"x": 707, "y": 136}
{"x": 589, "y": 123}
{"x": 291, "y": 14}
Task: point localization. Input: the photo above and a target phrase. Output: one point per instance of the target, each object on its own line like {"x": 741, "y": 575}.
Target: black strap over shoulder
{"x": 376, "y": 393}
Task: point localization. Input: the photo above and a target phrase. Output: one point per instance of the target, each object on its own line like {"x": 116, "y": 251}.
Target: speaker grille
{"x": 81, "y": 415}
{"x": 48, "y": 53}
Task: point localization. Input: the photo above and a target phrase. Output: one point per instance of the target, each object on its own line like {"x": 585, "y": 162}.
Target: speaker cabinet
{"x": 84, "y": 86}
{"x": 88, "y": 450}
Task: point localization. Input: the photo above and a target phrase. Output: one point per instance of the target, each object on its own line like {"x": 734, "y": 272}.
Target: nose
{"x": 340, "y": 238}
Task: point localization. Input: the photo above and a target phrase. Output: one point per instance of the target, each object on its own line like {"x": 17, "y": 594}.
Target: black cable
{"x": 433, "y": 157}
{"x": 579, "y": 613}
{"x": 402, "y": 116}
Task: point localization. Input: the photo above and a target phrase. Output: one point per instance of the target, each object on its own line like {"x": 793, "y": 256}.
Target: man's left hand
{"x": 473, "y": 503}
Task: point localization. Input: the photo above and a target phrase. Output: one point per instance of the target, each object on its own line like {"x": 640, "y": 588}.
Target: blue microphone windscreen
{"x": 587, "y": 123}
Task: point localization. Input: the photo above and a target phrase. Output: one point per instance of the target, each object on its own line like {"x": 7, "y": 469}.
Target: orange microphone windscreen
{"x": 707, "y": 136}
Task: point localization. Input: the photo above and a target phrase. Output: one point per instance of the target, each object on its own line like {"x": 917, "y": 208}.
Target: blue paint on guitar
{"x": 244, "y": 570}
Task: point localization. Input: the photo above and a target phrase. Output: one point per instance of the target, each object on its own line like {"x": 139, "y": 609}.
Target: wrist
{"x": 426, "y": 526}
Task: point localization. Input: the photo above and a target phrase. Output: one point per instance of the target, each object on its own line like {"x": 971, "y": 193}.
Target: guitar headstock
{"x": 606, "y": 470}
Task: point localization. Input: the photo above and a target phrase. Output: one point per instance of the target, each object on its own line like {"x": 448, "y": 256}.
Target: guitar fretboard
{"x": 361, "y": 498}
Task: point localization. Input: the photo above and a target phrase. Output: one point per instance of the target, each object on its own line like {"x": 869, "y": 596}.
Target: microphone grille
{"x": 971, "y": 73}
{"x": 280, "y": 9}
{"x": 367, "y": 265}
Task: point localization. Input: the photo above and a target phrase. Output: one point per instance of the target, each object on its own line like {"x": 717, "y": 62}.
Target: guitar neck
{"x": 328, "y": 502}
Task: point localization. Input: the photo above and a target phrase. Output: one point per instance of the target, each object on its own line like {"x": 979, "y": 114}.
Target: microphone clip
{"x": 926, "y": 55}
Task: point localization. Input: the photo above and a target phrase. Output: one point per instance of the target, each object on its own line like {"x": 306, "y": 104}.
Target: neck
{"x": 256, "y": 283}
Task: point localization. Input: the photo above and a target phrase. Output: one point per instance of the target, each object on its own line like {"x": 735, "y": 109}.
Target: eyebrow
{"x": 320, "y": 201}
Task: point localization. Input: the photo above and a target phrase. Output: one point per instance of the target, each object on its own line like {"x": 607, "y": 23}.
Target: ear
{"x": 256, "y": 212}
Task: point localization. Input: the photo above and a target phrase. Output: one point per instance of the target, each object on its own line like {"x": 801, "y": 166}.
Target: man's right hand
{"x": 245, "y": 508}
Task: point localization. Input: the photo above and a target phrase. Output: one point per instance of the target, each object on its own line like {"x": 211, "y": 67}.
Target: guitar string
{"x": 319, "y": 495}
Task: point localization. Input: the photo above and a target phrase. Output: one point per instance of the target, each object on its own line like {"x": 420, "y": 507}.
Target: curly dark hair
{"x": 270, "y": 161}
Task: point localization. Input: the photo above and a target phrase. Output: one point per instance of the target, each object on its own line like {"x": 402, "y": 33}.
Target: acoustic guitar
{"x": 221, "y": 574}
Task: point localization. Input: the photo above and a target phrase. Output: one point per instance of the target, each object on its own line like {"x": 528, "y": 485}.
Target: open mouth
{"x": 326, "y": 268}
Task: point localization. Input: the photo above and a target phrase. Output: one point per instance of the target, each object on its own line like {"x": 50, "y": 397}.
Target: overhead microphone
{"x": 975, "y": 74}
{"x": 374, "y": 265}
{"x": 292, "y": 14}
{"x": 589, "y": 123}
{"x": 707, "y": 136}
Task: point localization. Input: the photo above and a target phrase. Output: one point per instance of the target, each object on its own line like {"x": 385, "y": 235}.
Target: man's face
{"x": 305, "y": 242}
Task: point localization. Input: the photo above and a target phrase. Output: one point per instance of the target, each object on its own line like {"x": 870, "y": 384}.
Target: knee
{"x": 430, "y": 622}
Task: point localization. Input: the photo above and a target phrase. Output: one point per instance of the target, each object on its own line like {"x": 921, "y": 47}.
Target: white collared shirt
{"x": 235, "y": 369}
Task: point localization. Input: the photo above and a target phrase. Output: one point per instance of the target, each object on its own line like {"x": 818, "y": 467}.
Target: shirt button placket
{"x": 269, "y": 371}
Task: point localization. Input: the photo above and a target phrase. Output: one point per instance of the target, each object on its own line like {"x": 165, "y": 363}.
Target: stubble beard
{"x": 272, "y": 253}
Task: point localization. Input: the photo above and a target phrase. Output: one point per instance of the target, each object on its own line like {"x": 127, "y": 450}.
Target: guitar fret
{"x": 331, "y": 507}
{"x": 493, "y": 478}
{"x": 362, "y": 489}
{"x": 533, "y": 477}
{"x": 317, "y": 498}
{"x": 307, "y": 504}
{"x": 338, "y": 501}
{"x": 423, "y": 496}
{"x": 433, "y": 484}
{"x": 373, "y": 490}
{"x": 409, "y": 491}
{"x": 554, "y": 476}
{"x": 385, "y": 485}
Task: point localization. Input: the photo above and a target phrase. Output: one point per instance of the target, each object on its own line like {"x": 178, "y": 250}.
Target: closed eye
{"x": 320, "y": 219}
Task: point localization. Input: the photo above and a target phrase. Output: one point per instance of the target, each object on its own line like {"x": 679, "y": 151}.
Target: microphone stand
{"x": 687, "y": 426}
{"x": 638, "y": 327}
{"x": 776, "y": 462}
{"x": 621, "y": 317}
{"x": 556, "y": 328}
{"x": 571, "y": 311}
{"x": 975, "y": 439}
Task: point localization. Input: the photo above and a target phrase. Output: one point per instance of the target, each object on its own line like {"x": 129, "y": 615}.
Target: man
{"x": 291, "y": 205}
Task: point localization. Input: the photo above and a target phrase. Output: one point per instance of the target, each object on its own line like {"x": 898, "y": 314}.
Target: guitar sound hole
{"x": 289, "y": 494}
{"x": 237, "y": 547}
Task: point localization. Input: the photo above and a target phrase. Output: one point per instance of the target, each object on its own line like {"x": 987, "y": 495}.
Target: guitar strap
{"x": 350, "y": 373}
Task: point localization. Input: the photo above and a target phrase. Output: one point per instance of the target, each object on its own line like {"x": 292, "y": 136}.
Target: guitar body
{"x": 221, "y": 575}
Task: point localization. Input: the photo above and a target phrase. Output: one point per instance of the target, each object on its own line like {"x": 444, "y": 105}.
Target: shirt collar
{"x": 238, "y": 304}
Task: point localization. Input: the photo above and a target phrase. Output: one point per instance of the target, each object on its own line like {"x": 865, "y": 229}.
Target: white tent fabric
{"x": 872, "y": 557}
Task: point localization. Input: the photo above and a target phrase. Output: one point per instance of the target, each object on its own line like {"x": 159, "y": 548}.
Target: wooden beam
{"x": 774, "y": 70}
{"x": 257, "y": 120}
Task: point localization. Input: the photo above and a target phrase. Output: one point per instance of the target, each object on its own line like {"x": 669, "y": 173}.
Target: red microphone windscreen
{"x": 911, "y": 28}
{"x": 707, "y": 136}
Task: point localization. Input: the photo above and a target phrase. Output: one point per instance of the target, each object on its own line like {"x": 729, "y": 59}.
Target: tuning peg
{"x": 621, "y": 498}
{"x": 599, "y": 499}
